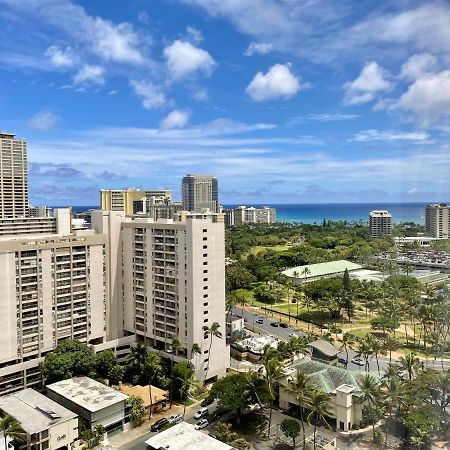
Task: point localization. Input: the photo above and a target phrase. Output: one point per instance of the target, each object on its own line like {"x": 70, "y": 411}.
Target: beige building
{"x": 243, "y": 215}
{"x": 13, "y": 176}
{"x": 380, "y": 223}
{"x": 437, "y": 220}
{"x": 47, "y": 424}
{"x": 200, "y": 193}
{"x": 122, "y": 199}
{"x": 51, "y": 288}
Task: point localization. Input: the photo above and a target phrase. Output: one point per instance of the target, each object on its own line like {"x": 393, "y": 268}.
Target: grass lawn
{"x": 262, "y": 248}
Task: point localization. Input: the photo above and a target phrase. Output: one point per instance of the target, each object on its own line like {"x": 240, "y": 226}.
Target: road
{"x": 283, "y": 333}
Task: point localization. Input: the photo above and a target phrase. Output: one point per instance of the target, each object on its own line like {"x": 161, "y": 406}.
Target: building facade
{"x": 40, "y": 211}
{"x": 380, "y": 223}
{"x": 243, "y": 215}
{"x": 200, "y": 193}
{"x": 51, "y": 288}
{"x": 13, "y": 176}
{"x": 437, "y": 220}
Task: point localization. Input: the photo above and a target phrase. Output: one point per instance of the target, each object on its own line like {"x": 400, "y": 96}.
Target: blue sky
{"x": 285, "y": 101}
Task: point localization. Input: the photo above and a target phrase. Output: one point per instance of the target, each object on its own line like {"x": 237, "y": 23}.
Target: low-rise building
{"x": 93, "y": 401}
{"x": 47, "y": 424}
{"x": 158, "y": 396}
{"x": 235, "y": 326}
{"x": 324, "y": 351}
{"x": 184, "y": 436}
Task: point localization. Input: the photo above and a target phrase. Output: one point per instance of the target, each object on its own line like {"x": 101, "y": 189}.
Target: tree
{"x": 348, "y": 340}
{"x": 183, "y": 379}
{"x": 151, "y": 370}
{"x": 116, "y": 374}
{"x": 175, "y": 346}
{"x": 104, "y": 363}
{"x": 291, "y": 429}
{"x": 137, "y": 409}
{"x": 300, "y": 387}
{"x": 409, "y": 363}
{"x": 222, "y": 432}
{"x": 371, "y": 414}
{"x": 320, "y": 410}
{"x": 421, "y": 425}
{"x": 135, "y": 361}
{"x": 273, "y": 371}
{"x": 195, "y": 351}
{"x": 11, "y": 428}
{"x": 370, "y": 389}
{"x": 211, "y": 332}
{"x": 391, "y": 344}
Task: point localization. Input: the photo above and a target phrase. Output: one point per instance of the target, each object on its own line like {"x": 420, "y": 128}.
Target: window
{"x": 205, "y": 279}
{"x": 205, "y": 238}
{"x": 205, "y": 321}
{"x": 205, "y": 230}
{"x": 205, "y": 255}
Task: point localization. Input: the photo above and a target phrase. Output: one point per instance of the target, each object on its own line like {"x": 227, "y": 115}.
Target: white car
{"x": 259, "y": 320}
{"x": 175, "y": 418}
{"x": 201, "y": 424}
{"x": 202, "y": 412}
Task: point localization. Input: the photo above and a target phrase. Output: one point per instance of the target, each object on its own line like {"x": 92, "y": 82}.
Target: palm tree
{"x": 295, "y": 275}
{"x": 370, "y": 389}
{"x": 366, "y": 350}
{"x": 320, "y": 410}
{"x": 300, "y": 388}
{"x": 11, "y": 428}
{"x": 175, "y": 347}
{"x": 195, "y": 350}
{"x": 391, "y": 344}
{"x": 409, "y": 363}
{"x": 212, "y": 331}
{"x": 273, "y": 371}
{"x": 187, "y": 380}
{"x": 136, "y": 358}
{"x": 152, "y": 368}
{"x": 256, "y": 386}
{"x": 347, "y": 341}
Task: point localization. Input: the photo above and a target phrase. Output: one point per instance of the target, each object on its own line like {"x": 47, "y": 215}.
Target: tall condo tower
{"x": 13, "y": 176}
{"x": 437, "y": 220}
{"x": 380, "y": 223}
{"x": 200, "y": 192}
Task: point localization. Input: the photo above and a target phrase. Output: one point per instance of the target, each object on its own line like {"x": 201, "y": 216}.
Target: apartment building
{"x": 122, "y": 199}
{"x": 147, "y": 207}
{"x": 39, "y": 211}
{"x": 174, "y": 285}
{"x": 51, "y": 288}
{"x": 60, "y": 223}
{"x": 13, "y": 176}
{"x": 380, "y": 223}
{"x": 437, "y": 220}
{"x": 243, "y": 215}
{"x": 200, "y": 193}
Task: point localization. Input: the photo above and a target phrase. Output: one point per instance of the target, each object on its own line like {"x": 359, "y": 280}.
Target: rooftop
{"x": 87, "y": 393}
{"x": 184, "y": 436}
{"x": 34, "y": 411}
{"x": 158, "y": 395}
{"x": 321, "y": 269}
{"x": 324, "y": 347}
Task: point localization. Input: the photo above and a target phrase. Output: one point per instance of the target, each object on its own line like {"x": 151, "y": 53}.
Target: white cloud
{"x": 375, "y": 135}
{"x": 183, "y": 59}
{"x": 278, "y": 82}
{"x": 61, "y": 58}
{"x": 90, "y": 74}
{"x": 258, "y": 48}
{"x": 153, "y": 96}
{"x": 43, "y": 121}
{"x": 175, "y": 119}
{"x": 193, "y": 35}
{"x": 333, "y": 117}
{"x": 418, "y": 66}
{"x": 371, "y": 81}
{"x": 427, "y": 99}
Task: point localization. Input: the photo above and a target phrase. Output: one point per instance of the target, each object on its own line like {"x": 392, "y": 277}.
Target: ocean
{"x": 315, "y": 213}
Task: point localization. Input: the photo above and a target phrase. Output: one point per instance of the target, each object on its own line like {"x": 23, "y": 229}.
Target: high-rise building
{"x": 437, "y": 220}
{"x": 380, "y": 223}
{"x": 200, "y": 193}
{"x": 40, "y": 211}
{"x": 243, "y": 215}
{"x": 51, "y": 288}
{"x": 122, "y": 199}
{"x": 13, "y": 176}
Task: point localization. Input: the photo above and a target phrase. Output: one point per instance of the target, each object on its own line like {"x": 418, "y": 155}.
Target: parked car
{"x": 202, "y": 412}
{"x": 284, "y": 325}
{"x": 207, "y": 401}
{"x": 273, "y": 324}
{"x": 358, "y": 361}
{"x": 201, "y": 424}
{"x": 159, "y": 424}
{"x": 259, "y": 320}
{"x": 175, "y": 418}
{"x": 342, "y": 360}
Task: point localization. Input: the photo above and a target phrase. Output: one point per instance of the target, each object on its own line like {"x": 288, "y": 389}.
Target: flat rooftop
{"x": 34, "y": 411}
{"x": 321, "y": 269}
{"x": 87, "y": 393}
{"x": 184, "y": 436}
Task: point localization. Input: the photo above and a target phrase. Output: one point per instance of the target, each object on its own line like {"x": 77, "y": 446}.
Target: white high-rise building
{"x": 380, "y": 223}
{"x": 437, "y": 220}
{"x": 200, "y": 193}
{"x": 13, "y": 176}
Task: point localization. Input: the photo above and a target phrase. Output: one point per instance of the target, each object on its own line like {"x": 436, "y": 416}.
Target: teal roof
{"x": 322, "y": 269}
{"x": 327, "y": 378}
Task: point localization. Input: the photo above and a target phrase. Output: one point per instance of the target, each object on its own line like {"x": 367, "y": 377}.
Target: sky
{"x": 285, "y": 101}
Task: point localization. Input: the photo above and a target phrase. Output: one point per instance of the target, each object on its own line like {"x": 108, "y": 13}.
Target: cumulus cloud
{"x": 183, "y": 59}
{"x": 175, "y": 119}
{"x": 61, "y": 58}
{"x": 418, "y": 66}
{"x": 90, "y": 74}
{"x": 277, "y": 82}
{"x": 375, "y": 135}
{"x": 372, "y": 80}
{"x": 43, "y": 121}
{"x": 258, "y": 48}
{"x": 153, "y": 96}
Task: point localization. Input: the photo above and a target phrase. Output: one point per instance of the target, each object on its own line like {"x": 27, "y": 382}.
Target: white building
{"x": 380, "y": 223}
{"x": 437, "y": 220}
{"x": 47, "y": 424}
{"x": 243, "y": 215}
{"x": 200, "y": 193}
